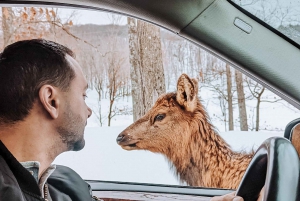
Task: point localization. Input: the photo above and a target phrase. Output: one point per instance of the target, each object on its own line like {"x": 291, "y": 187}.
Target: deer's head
{"x": 168, "y": 123}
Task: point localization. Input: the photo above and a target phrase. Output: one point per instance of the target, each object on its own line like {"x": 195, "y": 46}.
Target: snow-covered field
{"x": 103, "y": 159}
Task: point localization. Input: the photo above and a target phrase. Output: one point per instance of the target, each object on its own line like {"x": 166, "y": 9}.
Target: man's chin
{"x": 77, "y": 146}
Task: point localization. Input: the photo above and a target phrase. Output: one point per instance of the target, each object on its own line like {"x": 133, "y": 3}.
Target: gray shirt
{"x": 33, "y": 168}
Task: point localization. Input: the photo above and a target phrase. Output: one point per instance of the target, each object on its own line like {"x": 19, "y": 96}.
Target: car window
{"x": 242, "y": 111}
{"x": 283, "y": 15}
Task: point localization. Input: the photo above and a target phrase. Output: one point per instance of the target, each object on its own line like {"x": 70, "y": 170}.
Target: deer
{"x": 178, "y": 127}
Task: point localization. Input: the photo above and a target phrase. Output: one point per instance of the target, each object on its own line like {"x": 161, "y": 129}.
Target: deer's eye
{"x": 159, "y": 117}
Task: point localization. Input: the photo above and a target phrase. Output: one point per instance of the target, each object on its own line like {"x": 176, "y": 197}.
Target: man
{"x": 42, "y": 114}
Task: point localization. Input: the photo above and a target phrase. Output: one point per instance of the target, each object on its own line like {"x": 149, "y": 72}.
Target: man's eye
{"x": 159, "y": 117}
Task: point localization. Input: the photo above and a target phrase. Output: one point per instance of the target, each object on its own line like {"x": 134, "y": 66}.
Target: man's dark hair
{"x": 25, "y": 66}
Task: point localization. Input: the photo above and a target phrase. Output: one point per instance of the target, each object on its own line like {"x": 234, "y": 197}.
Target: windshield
{"x": 241, "y": 110}
{"x": 283, "y": 15}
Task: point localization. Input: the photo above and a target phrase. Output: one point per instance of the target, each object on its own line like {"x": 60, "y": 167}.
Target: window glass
{"x": 282, "y": 15}
{"x": 103, "y": 44}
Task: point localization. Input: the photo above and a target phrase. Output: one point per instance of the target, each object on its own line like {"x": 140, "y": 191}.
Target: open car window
{"x": 282, "y": 15}
{"x": 242, "y": 111}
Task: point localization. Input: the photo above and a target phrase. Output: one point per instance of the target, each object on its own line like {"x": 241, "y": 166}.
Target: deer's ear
{"x": 187, "y": 91}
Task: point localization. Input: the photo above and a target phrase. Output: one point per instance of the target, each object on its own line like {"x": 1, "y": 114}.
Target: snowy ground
{"x": 103, "y": 159}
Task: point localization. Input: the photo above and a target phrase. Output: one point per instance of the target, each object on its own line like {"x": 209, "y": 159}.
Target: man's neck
{"x": 26, "y": 144}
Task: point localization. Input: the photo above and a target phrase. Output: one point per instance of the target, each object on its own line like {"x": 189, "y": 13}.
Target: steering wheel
{"x": 276, "y": 166}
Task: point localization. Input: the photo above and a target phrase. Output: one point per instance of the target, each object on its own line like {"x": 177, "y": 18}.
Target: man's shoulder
{"x": 65, "y": 180}
{"x": 67, "y": 174}
{"x": 9, "y": 187}
{"x": 5, "y": 171}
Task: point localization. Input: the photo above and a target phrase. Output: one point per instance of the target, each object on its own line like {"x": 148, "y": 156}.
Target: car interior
{"x": 234, "y": 35}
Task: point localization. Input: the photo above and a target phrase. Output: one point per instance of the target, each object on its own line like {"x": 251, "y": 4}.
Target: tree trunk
{"x": 113, "y": 90}
{"x": 257, "y": 108}
{"x": 7, "y": 25}
{"x": 229, "y": 94}
{"x": 110, "y": 112}
{"x": 146, "y": 72}
{"x": 257, "y": 115}
{"x": 241, "y": 101}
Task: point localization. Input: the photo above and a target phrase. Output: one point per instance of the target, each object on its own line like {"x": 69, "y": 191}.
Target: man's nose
{"x": 90, "y": 112}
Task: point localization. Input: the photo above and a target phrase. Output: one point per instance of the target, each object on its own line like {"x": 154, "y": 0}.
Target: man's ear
{"x": 49, "y": 99}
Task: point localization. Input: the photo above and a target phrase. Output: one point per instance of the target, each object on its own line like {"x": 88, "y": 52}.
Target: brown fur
{"x": 186, "y": 137}
{"x": 296, "y": 138}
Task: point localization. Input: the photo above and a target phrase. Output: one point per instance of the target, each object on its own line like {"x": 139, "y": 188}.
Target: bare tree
{"x": 7, "y": 21}
{"x": 217, "y": 77}
{"x": 147, "y": 73}
{"x": 167, "y": 55}
{"x": 241, "y": 101}
{"x": 229, "y": 97}
{"x": 32, "y": 22}
{"x": 98, "y": 83}
{"x": 114, "y": 84}
{"x": 257, "y": 92}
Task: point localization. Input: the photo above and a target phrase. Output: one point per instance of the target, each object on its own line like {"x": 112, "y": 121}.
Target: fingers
{"x": 227, "y": 197}
{"x": 236, "y": 198}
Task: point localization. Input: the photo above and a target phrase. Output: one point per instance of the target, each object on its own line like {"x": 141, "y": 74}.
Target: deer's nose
{"x": 120, "y": 137}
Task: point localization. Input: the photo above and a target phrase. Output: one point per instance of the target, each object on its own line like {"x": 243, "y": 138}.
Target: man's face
{"x": 75, "y": 112}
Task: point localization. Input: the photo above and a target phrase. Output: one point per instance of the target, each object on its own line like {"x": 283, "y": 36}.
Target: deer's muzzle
{"x": 125, "y": 140}
{"x": 121, "y": 138}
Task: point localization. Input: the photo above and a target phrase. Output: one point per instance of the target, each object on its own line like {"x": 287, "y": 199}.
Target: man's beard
{"x": 71, "y": 130}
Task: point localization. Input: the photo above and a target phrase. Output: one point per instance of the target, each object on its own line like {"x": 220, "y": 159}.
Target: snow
{"x": 247, "y": 141}
{"x": 103, "y": 159}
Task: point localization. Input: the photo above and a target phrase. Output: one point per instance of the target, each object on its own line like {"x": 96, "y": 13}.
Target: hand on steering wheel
{"x": 275, "y": 165}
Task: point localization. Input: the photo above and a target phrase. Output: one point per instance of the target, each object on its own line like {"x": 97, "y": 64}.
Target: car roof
{"x": 219, "y": 27}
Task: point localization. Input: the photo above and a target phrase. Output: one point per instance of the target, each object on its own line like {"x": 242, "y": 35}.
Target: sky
{"x": 88, "y": 16}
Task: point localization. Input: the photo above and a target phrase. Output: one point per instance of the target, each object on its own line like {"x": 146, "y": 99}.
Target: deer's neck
{"x": 207, "y": 160}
